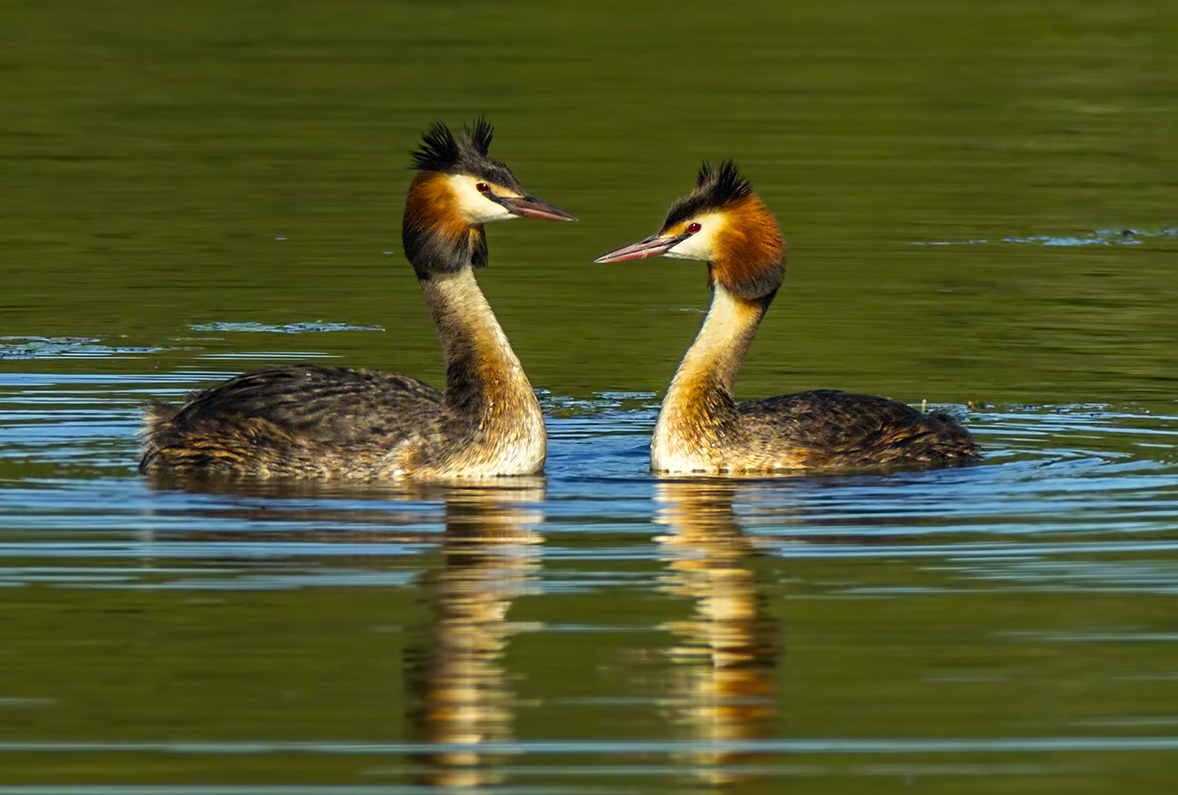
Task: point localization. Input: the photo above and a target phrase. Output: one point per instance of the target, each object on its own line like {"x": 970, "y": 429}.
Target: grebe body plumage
{"x": 337, "y": 422}
{"x": 701, "y": 429}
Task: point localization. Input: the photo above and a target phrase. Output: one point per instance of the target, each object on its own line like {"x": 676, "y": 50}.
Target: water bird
{"x": 335, "y": 422}
{"x": 701, "y": 429}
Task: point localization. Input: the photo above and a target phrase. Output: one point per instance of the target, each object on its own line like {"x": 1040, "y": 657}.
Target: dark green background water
{"x": 154, "y": 153}
{"x": 979, "y": 199}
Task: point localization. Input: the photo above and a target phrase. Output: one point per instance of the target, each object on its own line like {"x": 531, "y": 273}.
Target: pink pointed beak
{"x": 652, "y": 246}
{"x": 531, "y": 207}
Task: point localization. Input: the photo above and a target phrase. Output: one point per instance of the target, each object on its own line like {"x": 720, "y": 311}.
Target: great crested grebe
{"x": 312, "y": 421}
{"x": 700, "y": 428}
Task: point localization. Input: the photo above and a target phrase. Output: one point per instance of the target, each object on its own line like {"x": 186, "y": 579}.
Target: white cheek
{"x": 697, "y": 247}
{"x": 481, "y": 211}
{"x": 474, "y": 206}
{"x": 678, "y": 253}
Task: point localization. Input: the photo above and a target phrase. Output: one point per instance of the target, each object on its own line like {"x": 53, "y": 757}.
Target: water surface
{"x": 979, "y": 201}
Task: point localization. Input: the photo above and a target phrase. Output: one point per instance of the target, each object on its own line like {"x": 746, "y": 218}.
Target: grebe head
{"x": 481, "y": 190}
{"x": 459, "y": 188}
{"x": 723, "y": 223}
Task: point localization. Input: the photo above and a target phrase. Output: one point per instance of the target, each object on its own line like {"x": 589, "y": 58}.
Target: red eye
{"x": 482, "y": 187}
{"x": 693, "y": 228}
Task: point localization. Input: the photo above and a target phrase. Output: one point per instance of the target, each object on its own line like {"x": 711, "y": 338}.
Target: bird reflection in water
{"x": 727, "y": 653}
{"x": 459, "y": 696}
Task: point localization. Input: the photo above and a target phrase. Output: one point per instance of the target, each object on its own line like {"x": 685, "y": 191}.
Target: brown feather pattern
{"x": 336, "y": 422}
{"x": 701, "y": 428}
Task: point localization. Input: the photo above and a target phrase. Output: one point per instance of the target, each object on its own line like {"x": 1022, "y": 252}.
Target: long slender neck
{"x": 722, "y": 342}
{"x": 484, "y": 377}
{"x": 699, "y": 411}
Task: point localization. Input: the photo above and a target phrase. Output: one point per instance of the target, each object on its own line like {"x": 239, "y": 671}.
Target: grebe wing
{"x": 330, "y": 404}
{"x": 855, "y": 429}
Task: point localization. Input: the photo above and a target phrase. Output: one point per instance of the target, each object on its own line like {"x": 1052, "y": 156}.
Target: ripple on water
{"x": 1098, "y": 237}
{"x": 66, "y": 348}
{"x": 304, "y": 327}
{"x": 660, "y": 609}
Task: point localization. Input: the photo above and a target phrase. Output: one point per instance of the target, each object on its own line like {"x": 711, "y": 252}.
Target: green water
{"x": 979, "y": 200}
{"x": 153, "y": 155}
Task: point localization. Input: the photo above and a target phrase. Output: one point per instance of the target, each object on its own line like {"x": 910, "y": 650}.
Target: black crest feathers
{"x": 722, "y": 185}
{"x": 714, "y": 188}
{"x": 480, "y": 134}
{"x": 440, "y": 150}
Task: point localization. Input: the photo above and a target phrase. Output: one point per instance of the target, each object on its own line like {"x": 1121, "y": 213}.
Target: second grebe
{"x": 313, "y": 421}
{"x": 700, "y": 428}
